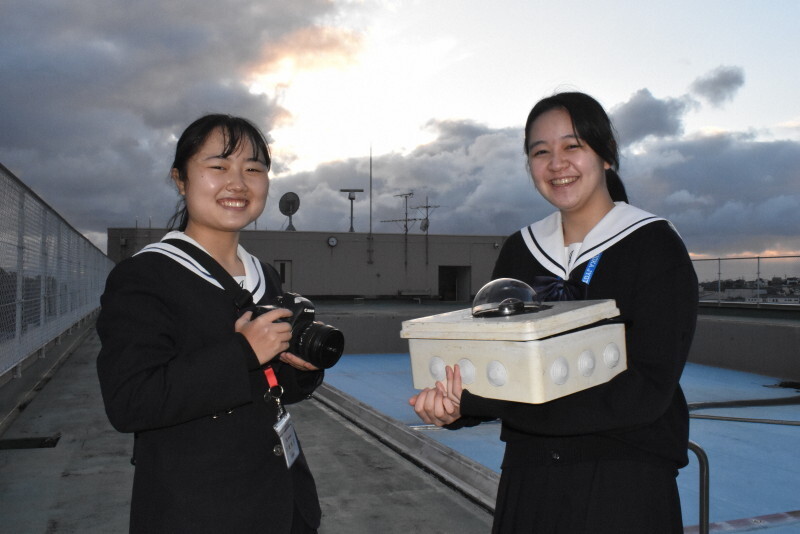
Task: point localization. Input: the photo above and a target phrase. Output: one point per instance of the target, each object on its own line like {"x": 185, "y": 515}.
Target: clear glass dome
{"x": 503, "y": 297}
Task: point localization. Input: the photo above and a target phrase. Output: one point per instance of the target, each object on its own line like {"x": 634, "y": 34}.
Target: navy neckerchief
{"x": 550, "y": 288}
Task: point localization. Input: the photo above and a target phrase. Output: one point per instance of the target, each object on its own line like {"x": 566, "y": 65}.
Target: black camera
{"x": 317, "y": 343}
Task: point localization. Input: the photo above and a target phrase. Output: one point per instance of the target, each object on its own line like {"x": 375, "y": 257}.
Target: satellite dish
{"x": 289, "y": 204}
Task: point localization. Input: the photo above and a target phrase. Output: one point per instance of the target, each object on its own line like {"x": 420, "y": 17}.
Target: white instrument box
{"x": 531, "y": 357}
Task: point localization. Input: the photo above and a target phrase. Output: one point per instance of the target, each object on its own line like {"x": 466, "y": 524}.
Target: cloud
{"x": 94, "y": 93}
{"x": 473, "y": 178}
{"x": 644, "y": 115}
{"x": 720, "y": 85}
{"x": 685, "y": 198}
{"x": 725, "y": 192}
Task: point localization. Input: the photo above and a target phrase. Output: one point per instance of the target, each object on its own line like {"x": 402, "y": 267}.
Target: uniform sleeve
{"x": 514, "y": 260}
{"x": 147, "y": 380}
{"x": 660, "y": 319}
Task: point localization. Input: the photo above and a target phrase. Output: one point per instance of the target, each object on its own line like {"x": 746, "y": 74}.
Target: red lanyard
{"x": 272, "y": 380}
{"x": 275, "y": 391}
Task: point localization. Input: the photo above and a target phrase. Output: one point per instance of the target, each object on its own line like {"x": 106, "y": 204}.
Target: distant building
{"x": 350, "y": 264}
{"x": 748, "y": 295}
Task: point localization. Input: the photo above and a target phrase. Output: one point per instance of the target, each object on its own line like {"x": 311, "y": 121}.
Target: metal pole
{"x": 702, "y": 459}
{"x": 369, "y": 237}
{"x": 758, "y": 280}
{"x": 352, "y": 197}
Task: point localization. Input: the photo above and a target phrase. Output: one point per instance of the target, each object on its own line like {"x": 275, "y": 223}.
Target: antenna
{"x": 288, "y": 205}
{"x": 405, "y": 222}
{"x": 426, "y": 221}
{"x": 369, "y": 237}
{"x": 425, "y": 224}
{"x": 351, "y": 194}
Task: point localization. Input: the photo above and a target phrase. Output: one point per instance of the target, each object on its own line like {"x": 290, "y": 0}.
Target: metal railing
{"x": 747, "y": 278}
{"x": 705, "y": 480}
{"x": 51, "y": 276}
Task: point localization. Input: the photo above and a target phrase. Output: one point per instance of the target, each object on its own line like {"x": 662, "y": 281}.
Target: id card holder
{"x": 285, "y": 430}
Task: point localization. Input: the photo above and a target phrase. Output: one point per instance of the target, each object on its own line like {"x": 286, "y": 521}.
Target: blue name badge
{"x": 589, "y": 272}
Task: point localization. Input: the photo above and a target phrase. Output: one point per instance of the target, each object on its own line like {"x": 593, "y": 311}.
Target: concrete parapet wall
{"x": 770, "y": 348}
{"x": 370, "y": 333}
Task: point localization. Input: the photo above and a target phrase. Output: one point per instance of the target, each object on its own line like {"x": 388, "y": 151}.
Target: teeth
{"x": 563, "y": 181}
{"x": 230, "y": 203}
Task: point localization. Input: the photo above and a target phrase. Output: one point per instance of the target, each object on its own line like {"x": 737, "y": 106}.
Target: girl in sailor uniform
{"x": 605, "y": 459}
{"x": 201, "y": 386}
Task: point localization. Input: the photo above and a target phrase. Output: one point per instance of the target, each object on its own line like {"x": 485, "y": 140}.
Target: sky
{"x": 705, "y": 97}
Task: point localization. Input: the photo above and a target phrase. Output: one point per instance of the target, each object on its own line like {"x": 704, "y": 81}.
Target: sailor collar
{"x": 545, "y": 238}
{"x": 254, "y": 280}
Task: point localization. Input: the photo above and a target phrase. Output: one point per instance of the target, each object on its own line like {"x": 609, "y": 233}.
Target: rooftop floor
{"x": 754, "y": 470}
{"x": 368, "y": 479}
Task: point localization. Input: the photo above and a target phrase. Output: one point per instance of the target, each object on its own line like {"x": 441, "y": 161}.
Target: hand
{"x": 267, "y": 338}
{"x": 440, "y": 405}
{"x": 297, "y": 362}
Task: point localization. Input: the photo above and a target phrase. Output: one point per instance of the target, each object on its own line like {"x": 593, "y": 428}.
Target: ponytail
{"x": 180, "y": 217}
{"x": 615, "y": 186}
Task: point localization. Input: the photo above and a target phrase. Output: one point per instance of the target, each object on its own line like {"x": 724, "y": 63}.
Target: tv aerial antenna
{"x": 288, "y": 205}
{"x": 405, "y": 220}
{"x": 425, "y": 224}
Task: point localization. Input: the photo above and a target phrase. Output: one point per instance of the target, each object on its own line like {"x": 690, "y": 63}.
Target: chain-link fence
{"x": 51, "y": 276}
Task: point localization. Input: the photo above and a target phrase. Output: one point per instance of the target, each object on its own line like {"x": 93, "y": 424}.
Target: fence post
{"x": 702, "y": 459}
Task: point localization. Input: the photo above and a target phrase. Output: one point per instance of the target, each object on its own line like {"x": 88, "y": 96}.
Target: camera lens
{"x": 320, "y": 344}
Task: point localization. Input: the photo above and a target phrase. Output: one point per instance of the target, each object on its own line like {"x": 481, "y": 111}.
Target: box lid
{"x": 560, "y": 317}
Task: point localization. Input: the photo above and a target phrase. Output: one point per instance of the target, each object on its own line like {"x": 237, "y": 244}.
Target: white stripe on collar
{"x": 254, "y": 275}
{"x": 545, "y": 238}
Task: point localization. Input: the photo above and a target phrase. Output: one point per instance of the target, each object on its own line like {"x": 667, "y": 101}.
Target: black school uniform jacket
{"x": 173, "y": 371}
{"x": 641, "y": 413}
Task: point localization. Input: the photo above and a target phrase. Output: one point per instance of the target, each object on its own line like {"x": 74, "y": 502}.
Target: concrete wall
{"x": 749, "y": 340}
{"x": 766, "y": 347}
{"x": 769, "y": 347}
{"x": 386, "y": 265}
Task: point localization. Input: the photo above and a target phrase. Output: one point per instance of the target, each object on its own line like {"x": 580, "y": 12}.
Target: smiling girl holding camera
{"x": 198, "y": 382}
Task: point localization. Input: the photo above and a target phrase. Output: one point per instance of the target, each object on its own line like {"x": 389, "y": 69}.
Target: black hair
{"x": 591, "y": 125}
{"x": 235, "y": 130}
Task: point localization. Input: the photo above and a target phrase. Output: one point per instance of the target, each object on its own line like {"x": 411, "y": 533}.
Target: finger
{"x": 241, "y": 321}
{"x": 441, "y": 409}
{"x": 449, "y": 406}
{"x": 297, "y": 362}
{"x": 276, "y": 314}
{"x": 430, "y": 407}
{"x": 419, "y": 406}
{"x": 413, "y": 400}
{"x": 457, "y": 386}
{"x": 454, "y": 385}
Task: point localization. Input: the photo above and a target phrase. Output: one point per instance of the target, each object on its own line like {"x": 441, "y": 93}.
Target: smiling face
{"x": 565, "y": 169}
{"x": 223, "y": 193}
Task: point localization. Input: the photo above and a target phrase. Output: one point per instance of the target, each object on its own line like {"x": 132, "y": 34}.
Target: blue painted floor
{"x": 755, "y": 467}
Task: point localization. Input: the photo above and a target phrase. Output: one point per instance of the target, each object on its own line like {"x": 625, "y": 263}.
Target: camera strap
{"x": 242, "y": 298}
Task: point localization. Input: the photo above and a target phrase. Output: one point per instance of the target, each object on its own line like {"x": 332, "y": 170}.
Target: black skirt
{"x": 591, "y": 497}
